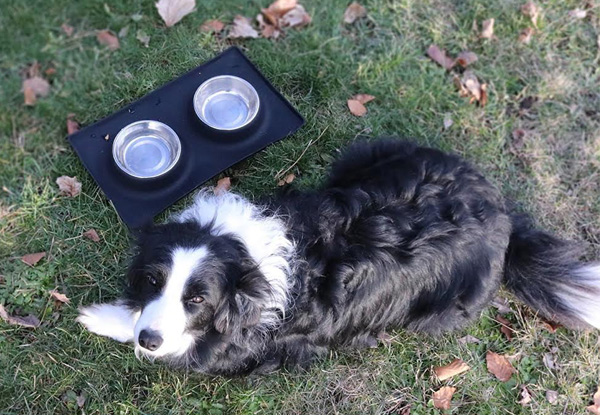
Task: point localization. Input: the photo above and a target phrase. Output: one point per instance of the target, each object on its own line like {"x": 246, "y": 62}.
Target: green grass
{"x": 554, "y": 175}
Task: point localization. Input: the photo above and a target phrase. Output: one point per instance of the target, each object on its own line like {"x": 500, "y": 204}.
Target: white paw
{"x": 110, "y": 320}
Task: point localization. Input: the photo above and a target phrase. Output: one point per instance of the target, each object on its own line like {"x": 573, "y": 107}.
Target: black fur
{"x": 399, "y": 236}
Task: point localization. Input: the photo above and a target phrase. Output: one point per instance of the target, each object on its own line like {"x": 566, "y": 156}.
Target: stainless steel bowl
{"x": 226, "y": 102}
{"x": 146, "y": 149}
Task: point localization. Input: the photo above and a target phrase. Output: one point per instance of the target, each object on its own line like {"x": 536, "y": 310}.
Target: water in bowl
{"x": 147, "y": 155}
{"x": 226, "y": 110}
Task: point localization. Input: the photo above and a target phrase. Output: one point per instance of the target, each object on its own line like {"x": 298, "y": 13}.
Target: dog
{"x": 398, "y": 236}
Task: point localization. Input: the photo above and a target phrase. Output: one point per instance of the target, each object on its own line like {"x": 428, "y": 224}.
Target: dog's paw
{"x": 110, "y": 320}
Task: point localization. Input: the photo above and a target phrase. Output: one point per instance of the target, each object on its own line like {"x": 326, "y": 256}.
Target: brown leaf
{"x": 499, "y": 366}
{"x": 172, "y": 11}
{"x": 278, "y": 8}
{"x": 29, "y": 96}
{"x": 501, "y": 305}
{"x": 287, "y": 179}
{"x": 525, "y": 35}
{"x": 443, "y": 397}
{"x": 578, "y": 13}
{"x": 595, "y": 408}
{"x": 33, "y": 88}
{"x": 439, "y": 56}
{"x": 59, "y": 297}
{"x": 32, "y": 259}
{"x": 68, "y": 30}
{"x": 72, "y": 125}
{"x": 487, "y": 29}
{"x": 356, "y": 107}
{"x": 505, "y": 327}
{"x": 50, "y": 71}
{"x": 465, "y": 58}
{"x": 242, "y": 28}
{"x": 531, "y": 10}
{"x": 212, "y": 26}
{"x": 469, "y": 86}
{"x": 549, "y": 361}
{"x": 552, "y": 397}
{"x": 469, "y": 339}
{"x": 524, "y": 396}
{"x": 354, "y": 12}
{"x": 455, "y": 368}
{"x": 30, "y": 320}
{"x": 363, "y": 98}
{"x": 92, "y": 235}
{"x": 297, "y": 17}
{"x": 68, "y": 186}
{"x": 267, "y": 30}
{"x": 223, "y": 186}
{"x": 106, "y": 38}
{"x": 551, "y": 326}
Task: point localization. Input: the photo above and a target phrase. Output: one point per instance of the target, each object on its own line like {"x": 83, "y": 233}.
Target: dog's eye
{"x": 196, "y": 300}
{"x": 151, "y": 280}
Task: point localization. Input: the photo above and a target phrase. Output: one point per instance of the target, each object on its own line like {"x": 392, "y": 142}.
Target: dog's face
{"x": 189, "y": 285}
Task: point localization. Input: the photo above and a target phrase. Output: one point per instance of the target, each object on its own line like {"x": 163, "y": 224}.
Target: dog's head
{"x": 189, "y": 283}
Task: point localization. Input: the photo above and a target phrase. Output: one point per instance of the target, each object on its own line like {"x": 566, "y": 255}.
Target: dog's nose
{"x": 150, "y": 340}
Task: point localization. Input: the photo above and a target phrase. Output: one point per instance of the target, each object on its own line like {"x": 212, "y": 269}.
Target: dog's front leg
{"x": 114, "y": 320}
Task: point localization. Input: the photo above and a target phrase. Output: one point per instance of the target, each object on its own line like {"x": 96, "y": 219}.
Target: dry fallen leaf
{"x": 223, "y": 186}
{"x": 106, "y": 38}
{"x": 68, "y": 186}
{"x": 549, "y": 361}
{"x": 552, "y": 397}
{"x": 297, "y": 17}
{"x": 524, "y": 396}
{"x": 439, "y": 56}
{"x": 267, "y": 30}
{"x": 143, "y": 37}
{"x": 72, "y": 125}
{"x": 469, "y": 86}
{"x": 68, "y": 30}
{"x": 363, "y": 98}
{"x": 172, "y": 11}
{"x": 212, "y": 26}
{"x": 278, "y": 8}
{"x": 595, "y": 408}
{"x": 531, "y": 10}
{"x": 501, "y": 304}
{"x": 505, "y": 327}
{"x": 578, "y": 13}
{"x": 443, "y": 397}
{"x": 356, "y": 107}
{"x": 455, "y": 368}
{"x": 29, "y": 96}
{"x": 499, "y": 366}
{"x": 465, "y": 58}
{"x": 551, "y": 326}
{"x": 487, "y": 29}
{"x": 80, "y": 400}
{"x": 525, "y": 35}
{"x": 59, "y": 297}
{"x": 447, "y": 124}
{"x": 32, "y": 259}
{"x": 354, "y": 12}
{"x": 92, "y": 235}
{"x": 287, "y": 179}
{"x": 27, "y": 321}
{"x": 469, "y": 339}
{"x": 33, "y": 88}
{"x": 242, "y": 28}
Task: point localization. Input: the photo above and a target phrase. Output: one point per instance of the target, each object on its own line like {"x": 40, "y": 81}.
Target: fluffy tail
{"x": 544, "y": 272}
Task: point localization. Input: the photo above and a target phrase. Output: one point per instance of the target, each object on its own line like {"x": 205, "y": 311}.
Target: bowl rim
{"x": 121, "y": 135}
{"x": 212, "y": 79}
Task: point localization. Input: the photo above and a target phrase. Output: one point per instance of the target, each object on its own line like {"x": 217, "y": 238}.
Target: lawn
{"x": 548, "y": 90}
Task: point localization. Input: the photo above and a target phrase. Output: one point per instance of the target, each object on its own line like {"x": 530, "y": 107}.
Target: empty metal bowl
{"x": 146, "y": 149}
{"x": 226, "y": 102}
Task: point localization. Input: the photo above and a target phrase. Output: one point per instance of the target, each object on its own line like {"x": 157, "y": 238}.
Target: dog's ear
{"x": 243, "y": 307}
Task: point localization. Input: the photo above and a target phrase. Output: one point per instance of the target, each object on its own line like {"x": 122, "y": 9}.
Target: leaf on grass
{"x": 439, "y": 56}
{"x": 297, "y": 17}
{"x": 465, "y": 58}
{"x": 457, "y": 367}
{"x": 80, "y": 400}
{"x": 469, "y": 339}
{"x": 59, "y": 297}
{"x": 67, "y": 30}
{"x": 286, "y": 180}
{"x": 143, "y": 37}
{"x": 32, "y": 259}
{"x": 212, "y": 26}
{"x": 106, "y": 38}
{"x": 487, "y": 29}
{"x": 443, "y": 397}
{"x": 223, "y": 186}
{"x": 68, "y": 186}
{"x": 30, "y": 320}
{"x": 552, "y": 397}
{"x": 505, "y": 327}
{"x": 578, "y": 13}
{"x": 595, "y": 408}
{"x": 551, "y": 326}
{"x": 499, "y": 366}
{"x": 469, "y": 86}
{"x": 524, "y": 396}
{"x": 525, "y": 35}
{"x": 242, "y": 28}
{"x": 531, "y": 10}
{"x": 518, "y": 141}
{"x": 92, "y": 235}
{"x": 33, "y": 88}
{"x": 267, "y": 30}
{"x": 277, "y": 9}
{"x": 72, "y": 125}
{"x": 354, "y": 12}
{"x": 356, "y": 107}
{"x": 172, "y": 11}
{"x": 363, "y": 98}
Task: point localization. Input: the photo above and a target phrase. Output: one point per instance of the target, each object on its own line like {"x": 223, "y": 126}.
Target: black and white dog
{"x": 399, "y": 236}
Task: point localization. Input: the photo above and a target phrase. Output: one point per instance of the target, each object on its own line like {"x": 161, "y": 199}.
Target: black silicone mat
{"x": 204, "y": 152}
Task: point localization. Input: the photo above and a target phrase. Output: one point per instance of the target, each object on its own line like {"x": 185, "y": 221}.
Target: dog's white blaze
{"x": 111, "y": 320}
{"x": 166, "y": 314}
{"x": 264, "y": 237}
{"x": 585, "y": 300}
